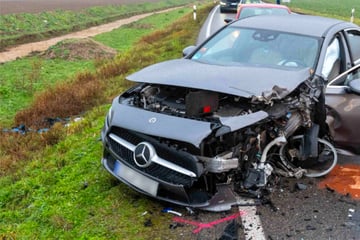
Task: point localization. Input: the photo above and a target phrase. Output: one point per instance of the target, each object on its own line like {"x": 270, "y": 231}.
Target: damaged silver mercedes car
{"x": 248, "y": 104}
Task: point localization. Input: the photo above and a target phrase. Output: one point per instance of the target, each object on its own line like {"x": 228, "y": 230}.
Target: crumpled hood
{"x": 245, "y": 81}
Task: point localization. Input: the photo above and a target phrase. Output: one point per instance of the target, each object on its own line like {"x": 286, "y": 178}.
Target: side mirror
{"x": 355, "y": 85}
{"x": 228, "y": 20}
{"x": 188, "y": 50}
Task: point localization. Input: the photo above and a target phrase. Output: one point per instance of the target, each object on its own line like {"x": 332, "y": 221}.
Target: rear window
{"x": 248, "y": 12}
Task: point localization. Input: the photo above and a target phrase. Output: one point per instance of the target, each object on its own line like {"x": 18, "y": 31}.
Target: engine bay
{"x": 185, "y": 102}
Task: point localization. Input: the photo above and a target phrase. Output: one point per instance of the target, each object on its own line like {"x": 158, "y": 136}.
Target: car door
{"x": 344, "y": 110}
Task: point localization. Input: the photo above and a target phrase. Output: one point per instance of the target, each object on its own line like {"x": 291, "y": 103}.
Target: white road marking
{"x": 208, "y": 29}
{"x": 251, "y": 221}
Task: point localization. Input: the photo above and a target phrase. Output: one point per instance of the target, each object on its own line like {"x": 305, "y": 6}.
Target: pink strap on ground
{"x": 201, "y": 226}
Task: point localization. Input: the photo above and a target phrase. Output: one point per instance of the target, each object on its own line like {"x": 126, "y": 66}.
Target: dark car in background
{"x": 265, "y": 96}
{"x": 228, "y": 5}
{"x": 232, "y": 5}
{"x": 249, "y": 1}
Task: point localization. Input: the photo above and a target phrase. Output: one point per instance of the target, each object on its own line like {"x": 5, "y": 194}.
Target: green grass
{"x": 26, "y": 27}
{"x": 123, "y": 38}
{"x": 329, "y": 8}
{"x": 62, "y": 192}
{"x": 20, "y": 80}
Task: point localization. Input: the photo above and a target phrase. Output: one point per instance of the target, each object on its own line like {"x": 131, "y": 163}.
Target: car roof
{"x": 245, "y": 1}
{"x": 263, "y": 5}
{"x": 295, "y": 23}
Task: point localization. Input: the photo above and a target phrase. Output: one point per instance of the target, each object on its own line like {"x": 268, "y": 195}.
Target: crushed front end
{"x": 199, "y": 148}
{"x": 167, "y": 151}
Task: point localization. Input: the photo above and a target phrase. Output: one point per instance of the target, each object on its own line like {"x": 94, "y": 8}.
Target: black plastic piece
{"x": 200, "y": 103}
{"x": 231, "y": 231}
{"x": 254, "y": 177}
{"x": 311, "y": 142}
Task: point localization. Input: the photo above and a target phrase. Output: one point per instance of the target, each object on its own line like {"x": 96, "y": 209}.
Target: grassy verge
{"x": 64, "y": 194}
{"x": 23, "y": 79}
{"x": 20, "y": 80}
{"x": 328, "y": 8}
{"x": 57, "y": 188}
{"x": 123, "y": 38}
{"x": 26, "y": 27}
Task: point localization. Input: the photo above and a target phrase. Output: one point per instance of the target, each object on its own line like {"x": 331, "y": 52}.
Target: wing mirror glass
{"x": 188, "y": 50}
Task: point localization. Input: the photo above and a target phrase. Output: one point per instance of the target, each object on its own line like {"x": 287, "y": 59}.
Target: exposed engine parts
{"x": 280, "y": 143}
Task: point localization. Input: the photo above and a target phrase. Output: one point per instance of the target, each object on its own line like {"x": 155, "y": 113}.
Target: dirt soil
{"x": 25, "y": 49}
{"x": 36, "y": 6}
{"x": 74, "y": 49}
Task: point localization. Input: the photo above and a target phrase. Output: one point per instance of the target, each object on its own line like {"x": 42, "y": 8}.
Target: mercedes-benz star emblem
{"x": 143, "y": 154}
{"x": 152, "y": 120}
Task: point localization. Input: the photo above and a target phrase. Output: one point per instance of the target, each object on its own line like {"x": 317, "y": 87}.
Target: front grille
{"x": 155, "y": 170}
{"x": 164, "y": 148}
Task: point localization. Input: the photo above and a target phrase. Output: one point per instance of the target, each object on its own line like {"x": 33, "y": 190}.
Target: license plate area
{"x": 136, "y": 179}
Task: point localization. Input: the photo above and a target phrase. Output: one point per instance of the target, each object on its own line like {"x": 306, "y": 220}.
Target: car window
{"x": 217, "y": 45}
{"x": 260, "y": 47}
{"x": 353, "y": 38}
{"x": 332, "y": 58}
{"x": 352, "y": 76}
{"x": 248, "y": 12}
{"x": 344, "y": 79}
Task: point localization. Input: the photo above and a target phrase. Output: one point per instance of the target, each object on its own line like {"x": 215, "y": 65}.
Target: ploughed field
{"x": 36, "y": 6}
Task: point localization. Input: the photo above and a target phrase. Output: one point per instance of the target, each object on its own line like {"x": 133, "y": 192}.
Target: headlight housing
{"x": 109, "y": 117}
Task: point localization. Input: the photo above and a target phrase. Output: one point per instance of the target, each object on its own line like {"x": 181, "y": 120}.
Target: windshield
{"x": 234, "y": 46}
{"x": 248, "y": 12}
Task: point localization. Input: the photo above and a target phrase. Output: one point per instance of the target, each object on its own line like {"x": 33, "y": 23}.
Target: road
{"x": 213, "y": 23}
{"x": 300, "y": 209}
